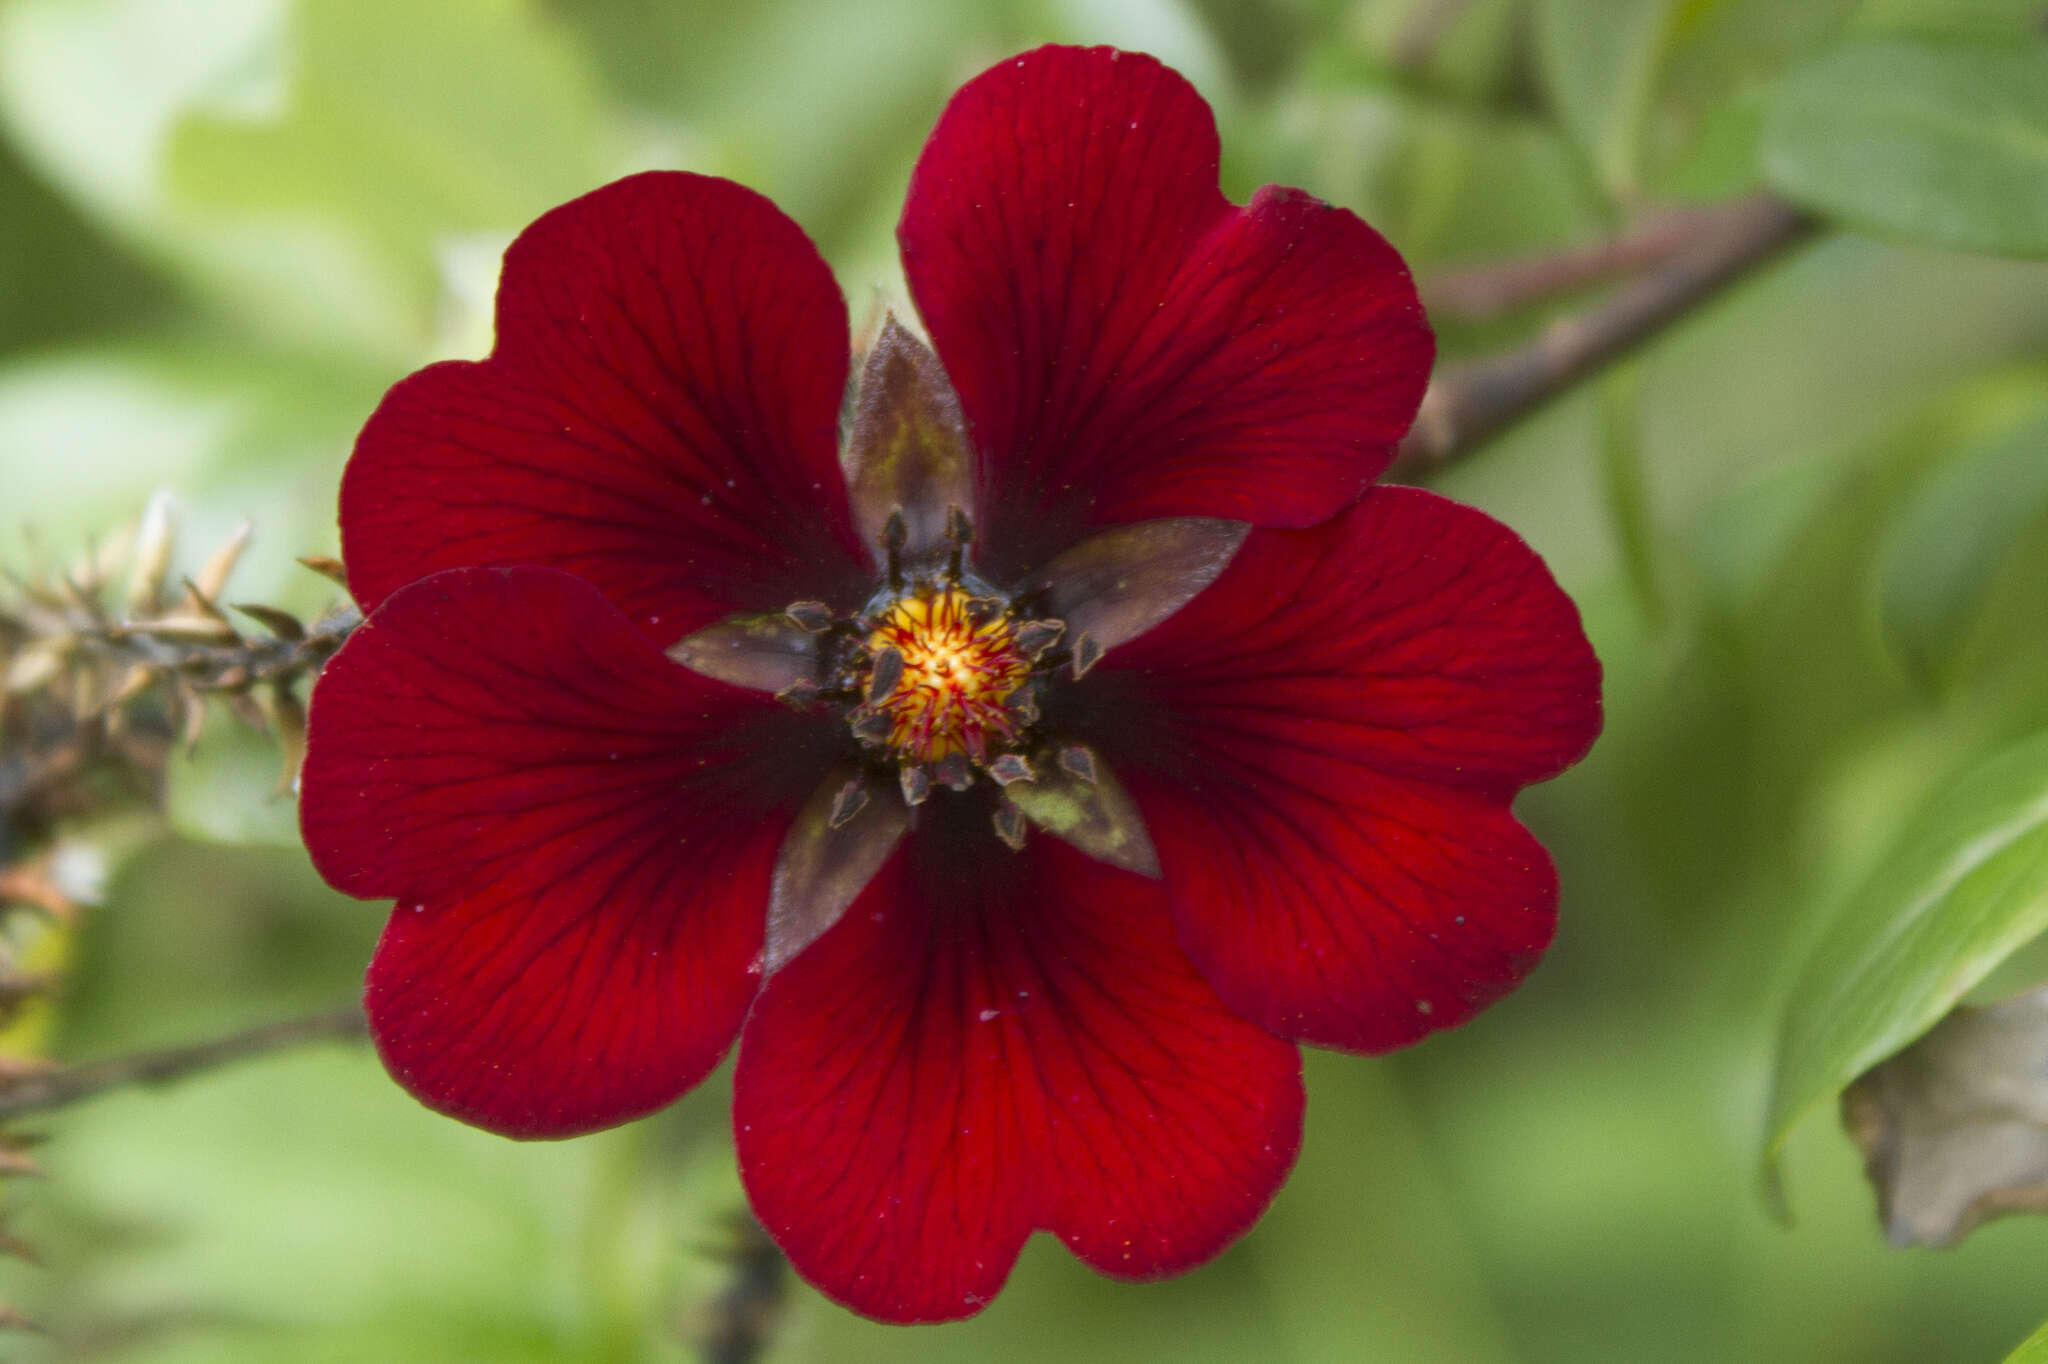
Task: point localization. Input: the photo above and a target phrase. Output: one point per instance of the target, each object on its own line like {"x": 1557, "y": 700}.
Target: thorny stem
{"x": 1470, "y": 403}
{"x": 41, "y": 1091}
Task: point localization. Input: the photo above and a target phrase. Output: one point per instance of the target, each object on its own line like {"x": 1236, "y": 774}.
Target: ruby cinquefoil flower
{"x": 1022, "y": 782}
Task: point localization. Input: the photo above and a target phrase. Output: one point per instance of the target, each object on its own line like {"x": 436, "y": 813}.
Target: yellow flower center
{"x": 958, "y": 673}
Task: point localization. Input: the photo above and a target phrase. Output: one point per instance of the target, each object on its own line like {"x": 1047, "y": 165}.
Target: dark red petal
{"x": 659, "y": 417}
{"x": 578, "y": 833}
{"x": 1325, "y": 744}
{"x": 1126, "y": 342}
{"x": 991, "y": 1042}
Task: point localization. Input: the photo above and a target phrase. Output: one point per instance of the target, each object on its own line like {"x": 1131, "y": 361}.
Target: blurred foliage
{"x": 1961, "y": 889}
{"x": 1806, "y": 530}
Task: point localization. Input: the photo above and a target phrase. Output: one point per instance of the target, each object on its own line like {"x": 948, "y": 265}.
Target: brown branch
{"x": 1470, "y": 403}
{"x": 39, "y": 1091}
{"x": 1489, "y": 289}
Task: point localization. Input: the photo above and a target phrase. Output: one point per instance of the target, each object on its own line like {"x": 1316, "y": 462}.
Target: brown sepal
{"x": 908, "y": 449}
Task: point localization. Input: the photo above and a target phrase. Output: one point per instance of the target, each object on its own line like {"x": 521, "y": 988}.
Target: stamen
{"x": 1009, "y": 822}
{"x": 799, "y": 695}
{"x": 917, "y": 785}
{"x": 851, "y": 800}
{"x": 945, "y": 679}
{"x": 1011, "y": 767}
{"x": 1034, "y": 637}
{"x": 959, "y": 535}
{"x": 895, "y": 533}
{"x": 887, "y": 675}
{"x": 953, "y": 772}
{"x": 1080, "y": 762}
{"x": 1087, "y": 653}
{"x": 812, "y": 617}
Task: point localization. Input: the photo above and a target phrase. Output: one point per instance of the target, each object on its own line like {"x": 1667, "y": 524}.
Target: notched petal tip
{"x": 771, "y": 653}
{"x": 1075, "y": 798}
{"x": 1115, "y": 586}
{"x": 832, "y": 851}
{"x": 908, "y": 463}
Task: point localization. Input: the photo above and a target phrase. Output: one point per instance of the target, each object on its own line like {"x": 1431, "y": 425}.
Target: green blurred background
{"x": 227, "y": 225}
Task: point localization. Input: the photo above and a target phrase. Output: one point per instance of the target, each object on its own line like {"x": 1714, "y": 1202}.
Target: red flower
{"x": 1029, "y": 787}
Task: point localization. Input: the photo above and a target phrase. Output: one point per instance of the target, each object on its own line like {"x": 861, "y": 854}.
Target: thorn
{"x": 206, "y": 584}
{"x": 244, "y": 708}
{"x": 327, "y": 567}
{"x": 812, "y": 617}
{"x": 1009, "y": 822}
{"x": 152, "y": 551}
{"x": 1080, "y": 762}
{"x": 137, "y": 680}
{"x": 1034, "y": 637}
{"x": 799, "y": 695}
{"x": 193, "y": 721}
{"x": 886, "y": 676}
{"x": 1087, "y": 653}
{"x": 283, "y": 624}
{"x": 917, "y": 785}
{"x": 1009, "y": 768}
{"x": 186, "y": 628}
{"x": 953, "y": 772}
{"x": 959, "y": 534}
{"x": 287, "y": 716}
{"x": 851, "y": 800}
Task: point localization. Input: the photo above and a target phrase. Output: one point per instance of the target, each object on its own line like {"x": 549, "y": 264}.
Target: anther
{"x": 917, "y": 785}
{"x": 873, "y": 728}
{"x": 812, "y": 617}
{"x": 953, "y": 772}
{"x": 959, "y": 534}
{"x": 1087, "y": 653}
{"x": 1011, "y": 767}
{"x": 887, "y": 675}
{"x": 801, "y": 694}
{"x": 851, "y": 800}
{"x": 1078, "y": 761}
{"x": 1034, "y": 637}
{"x": 1024, "y": 705}
{"x": 1009, "y": 822}
{"x": 982, "y": 610}
{"x": 895, "y": 534}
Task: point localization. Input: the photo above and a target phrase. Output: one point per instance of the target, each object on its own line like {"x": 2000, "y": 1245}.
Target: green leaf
{"x": 1945, "y": 552}
{"x": 1965, "y": 885}
{"x": 307, "y": 163}
{"x": 1945, "y": 144}
{"x": 1599, "y": 62}
{"x": 400, "y": 124}
{"x": 2032, "y": 1350}
{"x": 1951, "y": 18}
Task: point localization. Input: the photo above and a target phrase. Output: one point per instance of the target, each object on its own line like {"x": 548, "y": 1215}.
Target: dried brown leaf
{"x": 1954, "y": 1129}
